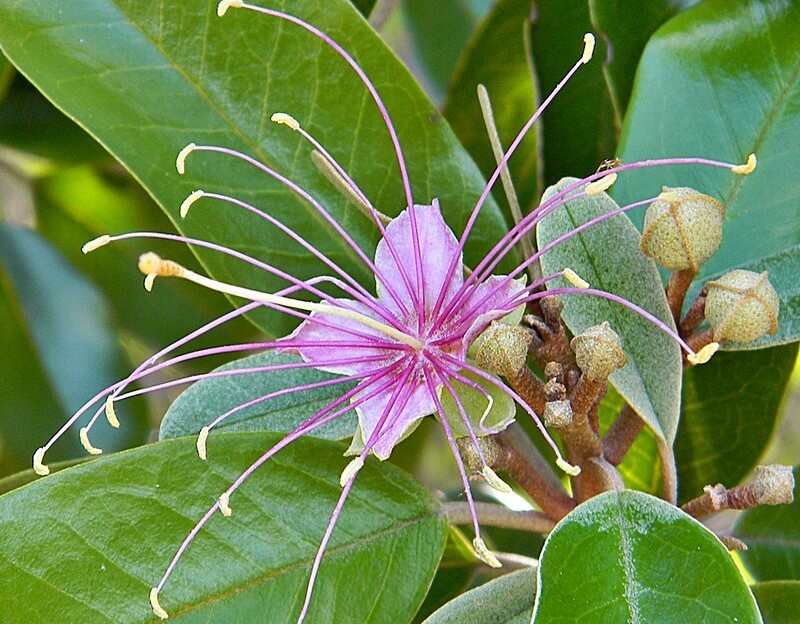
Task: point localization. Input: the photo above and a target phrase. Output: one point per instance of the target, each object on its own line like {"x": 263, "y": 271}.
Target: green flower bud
{"x": 682, "y": 228}
{"x": 598, "y": 351}
{"x": 502, "y": 348}
{"x": 742, "y": 306}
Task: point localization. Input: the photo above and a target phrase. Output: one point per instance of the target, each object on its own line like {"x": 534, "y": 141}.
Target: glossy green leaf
{"x": 772, "y": 535}
{"x": 439, "y": 31}
{"x": 722, "y": 80}
{"x": 365, "y": 6}
{"x": 146, "y": 86}
{"x": 783, "y": 268}
{"x": 730, "y": 409}
{"x": 18, "y": 479}
{"x": 624, "y": 33}
{"x": 498, "y": 57}
{"x": 59, "y": 348}
{"x": 61, "y": 535}
{"x": 635, "y": 558}
{"x": 209, "y": 398}
{"x": 505, "y": 600}
{"x": 6, "y": 75}
{"x": 608, "y": 257}
{"x": 77, "y": 204}
{"x": 778, "y": 601}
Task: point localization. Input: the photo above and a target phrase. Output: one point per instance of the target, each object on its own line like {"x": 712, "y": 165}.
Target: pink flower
{"x": 404, "y": 344}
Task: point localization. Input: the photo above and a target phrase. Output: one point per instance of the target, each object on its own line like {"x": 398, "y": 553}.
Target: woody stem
{"x": 677, "y": 288}
{"x": 498, "y": 516}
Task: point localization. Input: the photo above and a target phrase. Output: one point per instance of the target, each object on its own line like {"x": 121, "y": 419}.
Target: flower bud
{"x": 502, "y": 348}
{"x": 682, "y": 228}
{"x": 742, "y": 306}
{"x": 557, "y": 414}
{"x": 598, "y": 351}
{"x": 773, "y": 485}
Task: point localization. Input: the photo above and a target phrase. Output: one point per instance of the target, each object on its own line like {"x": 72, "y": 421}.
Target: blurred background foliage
{"x": 72, "y": 323}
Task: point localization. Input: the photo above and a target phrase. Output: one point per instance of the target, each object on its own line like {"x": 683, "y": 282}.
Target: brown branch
{"x": 494, "y": 515}
{"x": 621, "y": 435}
{"x": 695, "y": 315}
{"x": 770, "y": 485}
{"x": 677, "y": 287}
{"x": 531, "y": 471}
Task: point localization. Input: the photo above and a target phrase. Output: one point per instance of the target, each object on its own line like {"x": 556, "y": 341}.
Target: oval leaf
{"x": 657, "y": 565}
{"x": 145, "y": 83}
{"x": 778, "y": 601}
{"x": 729, "y": 413}
{"x": 719, "y": 81}
{"x": 772, "y": 535}
{"x": 505, "y": 600}
{"x": 209, "y": 398}
{"x": 608, "y": 257}
{"x": 117, "y": 521}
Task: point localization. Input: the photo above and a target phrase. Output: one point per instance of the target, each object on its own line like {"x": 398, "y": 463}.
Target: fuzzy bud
{"x": 682, "y": 228}
{"x": 503, "y": 348}
{"x": 598, "y": 351}
{"x": 773, "y": 485}
{"x": 742, "y": 306}
{"x": 557, "y": 414}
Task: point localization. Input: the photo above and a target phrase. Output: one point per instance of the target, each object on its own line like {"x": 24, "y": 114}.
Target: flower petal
{"x": 437, "y": 244}
{"x": 334, "y": 331}
{"x": 369, "y": 413}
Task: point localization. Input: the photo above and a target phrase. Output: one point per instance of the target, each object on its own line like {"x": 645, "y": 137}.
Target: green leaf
{"x": 607, "y": 255}
{"x": 772, "y": 535}
{"x": 625, "y": 33}
{"x": 498, "y": 57}
{"x": 783, "y": 268}
{"x": 59, "y": 348}
{"x": 657, "y": 565}
{"x": 505, "y": 600}
{"x": 719, "y": 81}
{"x": 730, "y": 409}
{"x": 439, "y": 31}
{"x": 18, "y": 479}
{"x": 76, "y": 204}
{"x": 778, "y": 601}
{"x": 119, "y": 520}
{"x": 209, "y": 398}
{"x": 146, "y": 86}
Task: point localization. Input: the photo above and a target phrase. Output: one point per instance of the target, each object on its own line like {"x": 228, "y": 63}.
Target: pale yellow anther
{"x": 747, "y": 168}
{"x": 84, "y": 436}
{"x": 157, "y": 608}
{"x": 571, "y": 470}
{"x": 38, "y": 466}
{"x": 286, "y": 120}
{"x": 224, "y": 5}
{"x": 111, "y": 413}
{"x": 152, "y": 264}
{"x": 601, "y": 185}
{"x": 704, "y": 354}
{"x": 350, "y": 470}
{"x": 180, "y": 161}
{"x": 484, "y": 554}
{"x": 225, "y": 505}
{"x": 149, "y": 280}
{"x": 202, "y": 438}
{"x": 494, "y": 481}
{"x": 588, "y": 47}
{"x": 187, "y": 203}
{"x": 573, "y": 278}
{"x": 96, "y": 243}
